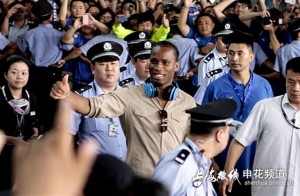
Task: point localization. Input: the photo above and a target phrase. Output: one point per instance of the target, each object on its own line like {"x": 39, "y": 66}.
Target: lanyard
{"x": 242, "y": 99}
{"x": 19, "y": 112}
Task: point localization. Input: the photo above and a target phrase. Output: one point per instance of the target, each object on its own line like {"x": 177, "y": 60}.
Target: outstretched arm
{"x": 61, "y": 90}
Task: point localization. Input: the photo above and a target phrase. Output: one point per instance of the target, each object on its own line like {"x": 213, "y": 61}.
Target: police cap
{"x": 136, "y": 37}
{"x": 141, "y": 50}
{"x": 42, "y": 9}
{"x": 105, "y": 51}
{"x": 227, "y": 29}
{"x": 216, "y": 113}
{"x": 294, "y": 27}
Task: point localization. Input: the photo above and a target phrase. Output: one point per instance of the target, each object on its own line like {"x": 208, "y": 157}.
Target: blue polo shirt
{"x": 257, "y": 89}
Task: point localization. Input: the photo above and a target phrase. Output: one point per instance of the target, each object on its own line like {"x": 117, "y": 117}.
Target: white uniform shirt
{"x": 278, "y": 146}
{"x": 207, "y": 65}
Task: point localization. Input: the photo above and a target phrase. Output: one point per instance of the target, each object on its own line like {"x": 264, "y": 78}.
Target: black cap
{"x": 136, "y": 37}
{"x": 141, "y": 50}
{"x": 215, "y": 112}
{"x": 227, "y": 29}
{"x": 105, "y": 51}
{"x": 128, "y": 1}
{"x": 294, "y": 27}
{"x": 42, "y": 9}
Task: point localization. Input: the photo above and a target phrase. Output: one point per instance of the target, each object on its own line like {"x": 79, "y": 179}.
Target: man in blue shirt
{"x": 105, "y": 57}
{"x": 245, "y": 88}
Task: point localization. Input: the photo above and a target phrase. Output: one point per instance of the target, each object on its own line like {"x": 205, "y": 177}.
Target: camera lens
{"x": 19, "y": 10}
{"x": 266, "y": 21}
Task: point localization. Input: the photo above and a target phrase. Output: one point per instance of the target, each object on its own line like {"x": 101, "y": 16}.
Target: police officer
{"x": 213, "y": 65}
{"x": 132, "y": 39}
{"x": 288, "y": 51}
{"x": 183, "y": 169}
{"x": 140, "y": 54}
{"x": 105, "y": 57}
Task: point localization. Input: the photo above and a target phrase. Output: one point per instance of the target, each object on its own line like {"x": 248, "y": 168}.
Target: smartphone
{"x": 85, "y": 19}
{"x": 122, "y": 18}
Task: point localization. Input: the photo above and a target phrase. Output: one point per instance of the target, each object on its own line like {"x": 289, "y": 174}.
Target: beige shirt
{"x": 141, "y": 121}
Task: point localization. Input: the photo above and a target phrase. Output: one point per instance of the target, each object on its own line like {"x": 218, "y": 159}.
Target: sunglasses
{"x": 164, "y": 120}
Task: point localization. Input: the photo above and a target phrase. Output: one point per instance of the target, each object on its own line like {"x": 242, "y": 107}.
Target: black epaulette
{"x": 125, "y": 81}
{"x": 123, "y": 69}
{"x": 181, "y": 157}
{"x": 83, "y": 89}
{"x": 208, "y": 58}
{"x": 213, "y": 72}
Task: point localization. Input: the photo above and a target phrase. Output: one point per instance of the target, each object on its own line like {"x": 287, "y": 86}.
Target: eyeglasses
{"x": 164, "y": 120}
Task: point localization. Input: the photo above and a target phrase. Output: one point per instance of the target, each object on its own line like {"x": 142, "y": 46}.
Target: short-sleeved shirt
{"x": 44, "y": 44}
{"x": 188, "y": 53}
{"x": 257, "y": 89}
{"x": 211, "y": 67}
{"x": 99, "y": 128}
{"x": 16, "y": 33}
{"x": 179, "y": 177}
{"x": 286, "y": 53}
{"x": 277, "y": 146}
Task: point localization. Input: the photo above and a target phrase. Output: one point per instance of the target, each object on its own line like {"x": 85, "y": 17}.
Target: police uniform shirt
{"x": 16, "y": 33}
{"x": 3, "y": 41}
{"x": 98, "y": 128}
{"x": 130, "y": 70}
{"x": 178, "y": 170}
{"x": 107, "y": 37}
{"x": 286, "y": 53}
{"x": 50, "y": 48}
{"x": 212, "y": 61}
{"x": 188, "y": 53}
{"x": 212, "y": 67}
{"x": 132, "y": 80}
{"x": 259, "y": 56}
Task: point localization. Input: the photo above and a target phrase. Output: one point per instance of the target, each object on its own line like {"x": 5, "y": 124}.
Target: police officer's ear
{"x": 92, "y": 65}
{"x": 220, "y": 134}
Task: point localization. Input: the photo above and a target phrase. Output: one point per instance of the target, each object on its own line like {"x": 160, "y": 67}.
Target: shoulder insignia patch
{"x": 208, "y": 58}
{"x": 181, "y": 157}
{"x": 83, "y": 89}
{"x": 213, "y": 72}
{"x": 123, "y": 69}
{"x": 125, "y": 81}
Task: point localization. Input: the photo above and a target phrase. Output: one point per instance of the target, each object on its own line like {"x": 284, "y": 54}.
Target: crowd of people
{"x": 154, "y": 97}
